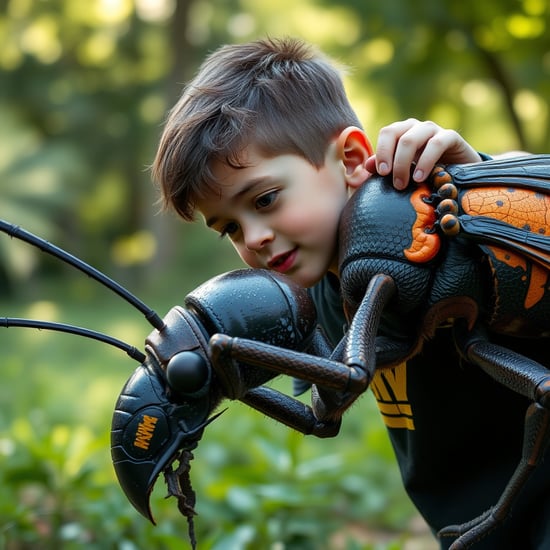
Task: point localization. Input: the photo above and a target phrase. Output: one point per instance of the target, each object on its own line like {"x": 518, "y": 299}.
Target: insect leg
{"x": 530, "y": 379}
{"x": 336, "y": 382}
{"x": 290, "y": 412}
{"x": 537, "y": 436}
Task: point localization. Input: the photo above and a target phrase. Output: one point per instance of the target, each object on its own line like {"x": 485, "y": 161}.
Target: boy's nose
{"x": 257, "y": 237}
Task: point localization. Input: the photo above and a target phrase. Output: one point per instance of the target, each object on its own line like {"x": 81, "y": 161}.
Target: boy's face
{"x": 281, "y": 213}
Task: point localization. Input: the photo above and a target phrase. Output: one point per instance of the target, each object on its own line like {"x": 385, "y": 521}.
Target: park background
{"x": 84, "y": 88}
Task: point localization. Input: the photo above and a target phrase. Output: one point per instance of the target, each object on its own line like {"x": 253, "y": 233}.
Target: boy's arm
{"x": 408, "y": 142}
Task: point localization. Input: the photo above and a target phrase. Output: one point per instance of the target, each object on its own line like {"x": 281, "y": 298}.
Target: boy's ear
{"x": 354, "y": 148}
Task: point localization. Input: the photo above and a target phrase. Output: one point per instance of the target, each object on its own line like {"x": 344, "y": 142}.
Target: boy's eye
{"x": 266, "y": 200}
{"x": 229, "y": 229}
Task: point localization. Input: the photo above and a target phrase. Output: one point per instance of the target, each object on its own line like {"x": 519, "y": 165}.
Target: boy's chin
{"x": 304, "y": 277}
{"x": 305, "y": 281}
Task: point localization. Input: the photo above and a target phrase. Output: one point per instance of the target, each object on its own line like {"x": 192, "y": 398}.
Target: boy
{"x": 264, "y": 144}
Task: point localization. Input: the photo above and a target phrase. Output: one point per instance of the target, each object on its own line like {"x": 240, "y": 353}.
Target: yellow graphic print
{"x": 145, "y": 432}
{"x": 390, "y": 389}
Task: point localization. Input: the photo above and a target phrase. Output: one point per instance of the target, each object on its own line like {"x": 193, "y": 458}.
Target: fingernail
{"x": 418, "y": 175}
{"x": 398, "y": 183}
{"x": 383, "y": 168}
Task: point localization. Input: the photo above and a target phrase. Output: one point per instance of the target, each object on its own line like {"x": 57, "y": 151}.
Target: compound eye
{"x": 187, "y": 372}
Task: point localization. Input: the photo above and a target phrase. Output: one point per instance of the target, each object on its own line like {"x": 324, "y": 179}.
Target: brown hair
{"x": 281, "y": 94}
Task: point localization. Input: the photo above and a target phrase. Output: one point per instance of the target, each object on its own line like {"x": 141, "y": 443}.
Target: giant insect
{"x": 438, "y": 251}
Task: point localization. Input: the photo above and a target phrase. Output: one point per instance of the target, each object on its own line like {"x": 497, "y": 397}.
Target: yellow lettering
{"x": 401, "y": 422}
{"x": 379, "y": 388}
{"x": 145, "y": 431}
{"x": 395, "y": 408}
{"x": 397, "y": 379}
{"x": 390, "y": 389}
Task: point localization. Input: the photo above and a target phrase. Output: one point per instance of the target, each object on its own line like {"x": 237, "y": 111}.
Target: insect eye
{"x": 187, "y": 372}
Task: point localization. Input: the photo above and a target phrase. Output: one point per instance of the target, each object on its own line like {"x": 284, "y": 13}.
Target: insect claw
{"x": 179, "y": 485}
{"x": 470, "y": 532}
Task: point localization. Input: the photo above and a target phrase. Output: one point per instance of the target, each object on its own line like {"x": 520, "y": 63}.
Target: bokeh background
{"x": 84, "y": 89}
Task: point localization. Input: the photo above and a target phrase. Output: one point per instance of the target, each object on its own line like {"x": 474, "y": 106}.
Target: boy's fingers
{"x": 427, "y": 159}
{"x": 370, "y": 165}
{"x": 400, "y": 145}
{"x": 410, "y": 148}
{"x": 388, "y": 140}
{"x": 445, "y": 146}
{"x": 419, "y": 145}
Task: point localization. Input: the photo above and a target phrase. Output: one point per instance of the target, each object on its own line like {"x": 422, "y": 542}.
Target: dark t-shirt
{"x": 457, "y": 434}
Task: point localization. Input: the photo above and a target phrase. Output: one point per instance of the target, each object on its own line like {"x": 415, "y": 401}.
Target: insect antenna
{"x": 132, "y": 351}
{"x": 23, "y": 235}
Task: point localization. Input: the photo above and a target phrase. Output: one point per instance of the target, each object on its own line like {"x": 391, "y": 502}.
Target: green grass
{"x": 258, "y": 484}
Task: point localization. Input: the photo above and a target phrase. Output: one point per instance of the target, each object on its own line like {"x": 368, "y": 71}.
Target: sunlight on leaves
{"x": 152, "y": 108}
{"x": 112, "y": 11}
{"x": 140, "y": 247}
{"x": 529, "y": 105}
{"x": 535, "y": 7}
{"x": 521, "y": 26}
{"x": 99, "y": 12}
{"x": 241, "y": 24}
{"x": 16, "y": 138}
{"x": 40, "y": 39}
{"x": 200, "y": 20}
{"x": 43, "y": 309}
{"x": 475, "y": 93}
{"x": 19, "y": 9}
{"x": 97, "y": 49}
{"x": 105, "y": 200}
{"x": 155, "y": 10}
{"x": 378, "y": 51}
{"x": 10, "y": 55}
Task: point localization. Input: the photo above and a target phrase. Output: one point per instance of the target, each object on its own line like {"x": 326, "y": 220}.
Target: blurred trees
{"x": 85, "y": 85}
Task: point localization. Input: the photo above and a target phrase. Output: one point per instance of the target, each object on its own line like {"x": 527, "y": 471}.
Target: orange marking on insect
{"x": 537, "y": 284}
{"x": 537, "y": 281}
{"x": 440, "y": 176}
{"x": 424, "y": 245}
{"x": 509, "y": 258}
{"x": 521, "y": 208}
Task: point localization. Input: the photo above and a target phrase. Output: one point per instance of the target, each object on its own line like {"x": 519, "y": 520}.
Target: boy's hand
{"x": 409, "y": 143}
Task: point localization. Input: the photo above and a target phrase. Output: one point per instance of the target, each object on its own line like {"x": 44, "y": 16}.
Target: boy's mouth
{"x": 283, "y": 262}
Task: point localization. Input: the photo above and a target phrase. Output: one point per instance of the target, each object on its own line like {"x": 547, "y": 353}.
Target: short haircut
{"x": 282, "y": 95}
